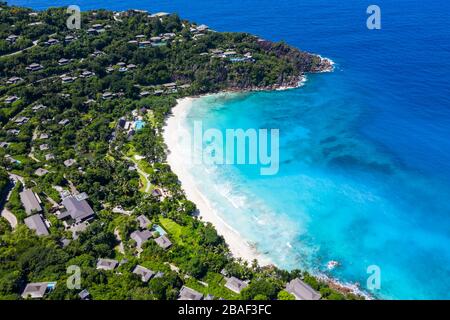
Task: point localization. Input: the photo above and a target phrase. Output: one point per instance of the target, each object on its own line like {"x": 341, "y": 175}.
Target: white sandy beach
{"x": 173, "y": 132}
{"x": 177, "y": 158}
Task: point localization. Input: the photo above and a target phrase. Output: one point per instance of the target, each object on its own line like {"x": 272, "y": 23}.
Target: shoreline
{"x": 173, "y": 130}
{"x": 236, "y": 242}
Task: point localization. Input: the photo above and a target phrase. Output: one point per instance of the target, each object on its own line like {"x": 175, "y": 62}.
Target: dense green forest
{"x": 61, "y": 131}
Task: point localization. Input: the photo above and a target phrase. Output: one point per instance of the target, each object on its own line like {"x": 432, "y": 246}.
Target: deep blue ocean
{"x": 365, "y": 151}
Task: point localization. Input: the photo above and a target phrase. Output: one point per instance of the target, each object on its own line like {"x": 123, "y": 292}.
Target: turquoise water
{"x": 139, "y": 124}
{"x": 160, "y": 230}
{"x": 365, "y": 151}
{"x": 336, "y": 196}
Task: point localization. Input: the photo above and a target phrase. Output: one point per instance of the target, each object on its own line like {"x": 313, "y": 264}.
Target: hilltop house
{"x": 202, "y": 28}
{"x": 30, "y": 201}
{"x": 144, "y": 44}
{"x": 96, "y": 29}
{"x": 141, "y": 237}
{"x": 87, "y": 74}
{"x": 51, "y": 42}
{"x": 34, "y": 67}
{"x": 107, "y": 95}
{"x": 67, "y": 79}
{"x": 63, "y": 61}
{"x": 21, "y": 120}
{"x": 106, "y": 264}
{"x": 63, "y": 122}
{"x": 187, "y": 293}
{"x": 13, "y": 132}
{"x": 168, "y": 35}
{"x": 144, "y": 273}
{"x": 144, "y": 222}
{"x": 84, "y": 295}
{"x": 69, "y": 38}
{"x": 38, "y": 107}
{"x": 156, "y": 193}
{"x": 12, "y": 38}
{"x": 36, "y": 223}
{"x": 235, "y": 284}
{"x": 302, "y": 291}
{"x": 97, "y": 26}
{"x": 159, "y": 15}
{"x": 97, "y": 53}
{"x": 163, "y": 242}
{"x": 77, "y": 209}
{"x": 69, "y": 162}
{"x": 37, "y": 290}
{"x": 11, "y": 99}
{"x": 14, "y": 80}
{"x": 40, "y": 172}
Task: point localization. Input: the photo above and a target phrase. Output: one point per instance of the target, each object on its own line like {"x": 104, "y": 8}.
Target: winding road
{"x": 35, "y": 42}
{"x": 5, "y": 213}
{"x": 148, "y": 185}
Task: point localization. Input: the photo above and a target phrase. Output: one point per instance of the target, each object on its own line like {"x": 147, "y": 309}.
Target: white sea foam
{"x": 175, "y": 128}
{"x": 250, "y": 222}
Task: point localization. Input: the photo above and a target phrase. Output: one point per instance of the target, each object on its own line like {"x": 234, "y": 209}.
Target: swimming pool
{"x": 160, "y": 230}
{"x": 139, "y": 124}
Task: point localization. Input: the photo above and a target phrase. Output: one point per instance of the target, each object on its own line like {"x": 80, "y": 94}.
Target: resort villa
{"x": 69, "y": 38}
{"x": 107, "y": 95}
{"x": 189, "y": 294}
{"x": 144, "y": 273}
{"x": 163, "y": 242}
{"x": 63, "y": 61}
{"x": 38, "y": 107}
{"x": 302, "y": 291}
{"x": 84, "y": 295}
{"x": 36, "y": 223}
{"x": 63, "y": 122}
{"x": 37, "y": 290}
{"x": 14, "y": 80}
{"x": 144, "y": 222}
{"x": 77, "y": 209}
{"x": 21, "y": 120}
{"x": 30, "y": 201}
{"x": 141, "y": 237}
{"x": 235, "y": 285}
{"x": 40, "y": 172}
{"x": 11, "y": 99}
{"x": 135, "y": 123}
{"x": 106, "y": 264}
{"x": 51, "y": 42}
{"x": 69, "y": 162}
{"x": 34, "y": 67}
{"x": 12, "y": 38}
